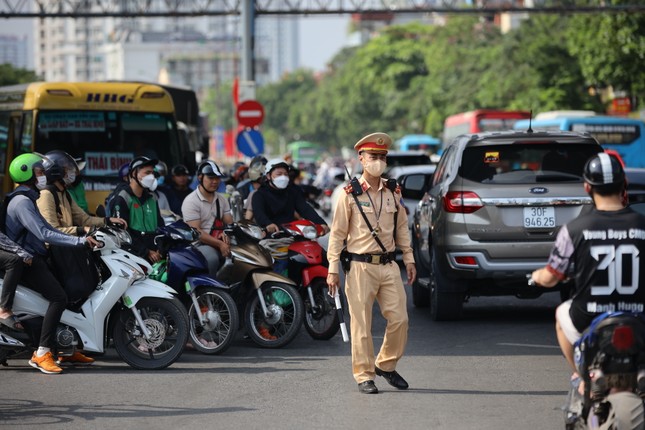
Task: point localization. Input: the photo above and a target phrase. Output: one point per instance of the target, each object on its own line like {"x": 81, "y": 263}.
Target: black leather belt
{"x": 374, "y": 258}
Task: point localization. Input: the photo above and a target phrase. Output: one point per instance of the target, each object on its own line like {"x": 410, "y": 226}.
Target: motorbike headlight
{"x": 309, "y": 232}
{"x": 123, "y": 237}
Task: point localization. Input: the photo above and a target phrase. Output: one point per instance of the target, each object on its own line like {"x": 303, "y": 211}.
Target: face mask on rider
{"x": 69, "y": 178}
{"x": 149, "y": 182}
{"x": 375, "y": 167}
{"x": 41, "y": 182}
{"x": 281, "y": 182}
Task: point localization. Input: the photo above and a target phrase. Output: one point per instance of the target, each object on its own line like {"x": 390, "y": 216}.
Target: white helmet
{"x": 276, "y": 162}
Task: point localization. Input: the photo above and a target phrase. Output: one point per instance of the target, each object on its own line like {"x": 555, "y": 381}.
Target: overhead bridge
{"x": 185, "y": 8}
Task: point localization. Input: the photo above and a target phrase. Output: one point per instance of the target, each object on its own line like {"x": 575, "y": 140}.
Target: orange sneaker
{"x": 45, "y": 363}
{"x": 264, "y": 332}
{"x": 76, "y": 358}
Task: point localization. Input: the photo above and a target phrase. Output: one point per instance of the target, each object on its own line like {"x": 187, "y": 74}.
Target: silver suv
{"x": 492, "y": 213}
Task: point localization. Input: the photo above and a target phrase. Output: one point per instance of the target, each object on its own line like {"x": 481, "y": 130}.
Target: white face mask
{"x": 69, "y": 178}
{"x": 41, "y": 182}
{"x": 375, "y": 168}
{"x": 149, "y": 182}
{"x": 281, "y": 182}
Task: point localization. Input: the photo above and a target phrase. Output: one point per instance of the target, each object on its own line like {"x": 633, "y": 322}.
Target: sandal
{"x": 12, "y": 322}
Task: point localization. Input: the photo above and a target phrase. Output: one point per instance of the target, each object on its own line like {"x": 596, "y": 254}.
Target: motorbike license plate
{"x": 539, "y": 217}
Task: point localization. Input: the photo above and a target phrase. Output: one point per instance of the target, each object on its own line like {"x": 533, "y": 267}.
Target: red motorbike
{"x": 302, "y": 259}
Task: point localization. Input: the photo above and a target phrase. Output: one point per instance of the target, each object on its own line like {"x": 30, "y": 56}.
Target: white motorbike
{"x": 146, "y": 322}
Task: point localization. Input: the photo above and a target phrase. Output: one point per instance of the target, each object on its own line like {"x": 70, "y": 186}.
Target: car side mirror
{"x": 413, "y": 187}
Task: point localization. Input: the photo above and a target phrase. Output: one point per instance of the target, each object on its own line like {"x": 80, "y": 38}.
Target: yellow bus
{"x": 104, "y": 123}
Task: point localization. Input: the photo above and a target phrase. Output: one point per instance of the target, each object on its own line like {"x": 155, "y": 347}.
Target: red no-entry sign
{"x": 250, "y": 113}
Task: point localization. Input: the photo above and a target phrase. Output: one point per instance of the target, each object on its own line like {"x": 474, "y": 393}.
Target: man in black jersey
{"x": 605, "y": 249}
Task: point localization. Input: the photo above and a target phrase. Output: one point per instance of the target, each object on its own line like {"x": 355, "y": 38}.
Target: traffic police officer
{"x": 370, "y": 217}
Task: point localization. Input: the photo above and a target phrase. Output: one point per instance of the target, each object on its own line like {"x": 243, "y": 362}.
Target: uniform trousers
{"x": 364, "y": 283}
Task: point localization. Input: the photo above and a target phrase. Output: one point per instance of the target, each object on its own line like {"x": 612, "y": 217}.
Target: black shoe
{"x": 393, "y": 378}
{"x": 367, "y": 387}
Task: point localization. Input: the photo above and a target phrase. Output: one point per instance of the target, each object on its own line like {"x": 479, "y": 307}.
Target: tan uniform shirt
{"x": 72, "y": 216}
{"x": 348, "y": 223}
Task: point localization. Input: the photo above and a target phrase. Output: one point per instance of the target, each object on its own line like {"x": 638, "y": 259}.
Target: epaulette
{"x": 364, "y": 185}
{"x": 398, "y": 189}
{"x": 348, "y": 189}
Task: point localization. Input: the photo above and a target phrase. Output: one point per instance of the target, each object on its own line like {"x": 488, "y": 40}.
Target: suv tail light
{"x": 465, "y": 202}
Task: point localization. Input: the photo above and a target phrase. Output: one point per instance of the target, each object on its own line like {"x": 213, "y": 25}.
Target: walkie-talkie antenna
{"x": 530, "y": 130}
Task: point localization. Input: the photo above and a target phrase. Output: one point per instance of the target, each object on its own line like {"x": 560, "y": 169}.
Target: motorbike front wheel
{"x": 321, "y": 318}
{"x": 167, "y": 323}
{"x": 286, "y": 312}
{"x": 220, "y": 324}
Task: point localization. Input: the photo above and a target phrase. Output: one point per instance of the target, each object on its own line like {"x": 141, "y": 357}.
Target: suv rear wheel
{"x": 444, "y": 306}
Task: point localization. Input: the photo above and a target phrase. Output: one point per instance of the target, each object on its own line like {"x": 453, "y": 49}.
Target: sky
{"x": 321, "y": 37}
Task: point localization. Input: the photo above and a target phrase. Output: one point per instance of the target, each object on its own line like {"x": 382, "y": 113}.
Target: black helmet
{"x": 57, "y": 164}
{"x": 140, "y": 162}
{"x": 53, "y": 172}
{"x": 209, "y": 168}
{"x": 180, "y": 170}
{"x": 603, "y": 169}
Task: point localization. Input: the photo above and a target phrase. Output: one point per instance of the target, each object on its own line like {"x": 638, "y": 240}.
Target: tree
{"x": 10, "y": 75}
{"x": 610, "y": 49}
{"x": 218, "y": 105}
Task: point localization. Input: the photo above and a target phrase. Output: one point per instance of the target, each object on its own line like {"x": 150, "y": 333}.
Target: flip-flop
{"x": 12, "y": 322}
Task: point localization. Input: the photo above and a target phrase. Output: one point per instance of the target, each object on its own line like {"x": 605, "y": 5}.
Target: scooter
{"x": 144, "y": 319}
{"x": 307, "y": 265}
{"x": 272, "y": 308}
{"x": 610, "y": 358}
{"x": 212, "y": 312}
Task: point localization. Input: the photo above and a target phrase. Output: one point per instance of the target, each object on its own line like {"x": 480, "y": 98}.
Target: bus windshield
{"x": 106, "y": 139}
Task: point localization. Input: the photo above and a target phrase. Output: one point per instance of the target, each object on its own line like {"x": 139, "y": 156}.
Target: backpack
{"x": 74, "y": 267}
{"x": 76, "y": 270}
{"x": 3, "y": 213}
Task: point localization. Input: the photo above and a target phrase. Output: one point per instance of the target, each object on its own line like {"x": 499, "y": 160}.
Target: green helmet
{"x": 21, "y": 168}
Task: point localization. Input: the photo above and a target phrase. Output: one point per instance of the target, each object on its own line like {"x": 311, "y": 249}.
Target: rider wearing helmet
{"x": 26, "y": 226}
{"x": 177, "y": 190}
{"x": 137, "y": 204}
{"x": 208, "y": 211}
{"x": 604, "y": 248}
{"x": 255, "y": 174}
{"x": 277, "y": 201}
{"x": 55, "y": 203}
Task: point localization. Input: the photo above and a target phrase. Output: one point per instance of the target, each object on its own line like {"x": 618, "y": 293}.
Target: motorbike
{"x": 272, "y": 309}
{"x": 610, "y": 358}
{"x": 212, "y": 312}
{"x": 145, "y": 321}
{"x": 307, "y": 265}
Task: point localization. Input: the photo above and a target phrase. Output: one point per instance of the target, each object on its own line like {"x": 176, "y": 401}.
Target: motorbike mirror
{"x": 158, "y": 239}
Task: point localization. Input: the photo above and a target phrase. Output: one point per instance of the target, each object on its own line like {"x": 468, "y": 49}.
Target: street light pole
{"x": 248, "y": 36}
